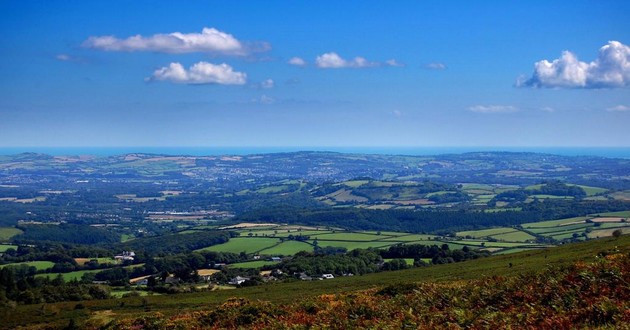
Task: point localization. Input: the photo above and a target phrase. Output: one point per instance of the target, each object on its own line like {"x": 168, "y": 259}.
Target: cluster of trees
{"x": 555, "y": 188}
{"x": 176, "y": 243}
{"x": 438, "y": 254}
{"x": 32, "y": 290}
{"x": 355, "y": 262}
{"x": 68, "y": 233}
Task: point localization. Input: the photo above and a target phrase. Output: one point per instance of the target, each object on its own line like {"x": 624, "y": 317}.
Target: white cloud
{"x": 397, "y": 113}
{"x": 266, "y": 84}
{"x": 333, "y": 61}
{"x": 210, "y": 40}
{"x": 264, "y": 99}
{"x": 436, "y": 66}
{"x": 610, "y": 69}
{"x": 199, "y": 73}
{"x": 393, "y": 62}
{"x": 618, "y": 108}
{"x": 548, "y": 109}
{"x": 63, "y": 57}
{"x": 493, "y": 108}
{"x": 297, "y": 61}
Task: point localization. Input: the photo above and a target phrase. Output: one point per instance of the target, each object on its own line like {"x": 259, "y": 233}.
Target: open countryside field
{"x": 6, "y": 233}
{"x": 252, "y": 264}
{"x": 5, "y": 247}
{"x": 39, "y": 265}
{"x": 244, "y": 244}
{"x": 287, "y": 248}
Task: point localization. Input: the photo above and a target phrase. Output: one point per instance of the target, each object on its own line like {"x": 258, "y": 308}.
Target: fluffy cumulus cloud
{"x": 618, "y": 108}
{"x": 333, "y": 61}
{"x": 611, "y": 69}
{"x": 199, "y": 73}
{"x": 210, "y": 40}
{"x": 493, "y": 108}
{"x": 297, "y": 61}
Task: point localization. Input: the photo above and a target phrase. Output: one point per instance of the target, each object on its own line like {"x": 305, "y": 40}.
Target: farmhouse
{"x": 126, "y": 256}
{"x": 238, "y": 280}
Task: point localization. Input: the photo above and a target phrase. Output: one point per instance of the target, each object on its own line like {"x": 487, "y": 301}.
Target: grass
{"x": 243, "y": 244}
{"x": 102, "y": 260}
{"x": 76, "y": 275}
{"x": 6, "y": 233}
{"x": 39, "y": 265}
{"x": 253, "y": 264}
{"x": 350, "y": 245}
{"x": 409, "y": 261}
{"x": 485, "y": 232}
{"x": 553, "y": 223}
{"x": 514, "y": 236}
{"x": 623, "y": 214}
{"x": 5, "y": 247}
{"x": 350, "y": 236}
{"x": 287, "y": 248}
{"x": 533, "y": 261}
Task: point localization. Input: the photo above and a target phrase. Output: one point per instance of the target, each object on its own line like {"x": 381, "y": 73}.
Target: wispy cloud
{"x": 297, "y": 61}
{"x": 210, "y": 40}
{"x": 68, "y": 58}
{"x": 493, "y": 108}
{"x": 436, "y": 66}
{"x": 199, "y": 73}
{"x": 263, "y": 99}
{"x": 332, "y": 60}
{"x": 610, "y": 69}
{"x": 393, "y": 62}
{"x": 548, "y": 109}
{"x": 618, "y": 108}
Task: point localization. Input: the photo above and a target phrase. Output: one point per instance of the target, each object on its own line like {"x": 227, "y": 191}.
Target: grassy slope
{"x": 524, "y": 262}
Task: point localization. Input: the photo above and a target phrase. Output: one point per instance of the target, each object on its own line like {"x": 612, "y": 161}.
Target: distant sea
{"x": 611, "y": 152}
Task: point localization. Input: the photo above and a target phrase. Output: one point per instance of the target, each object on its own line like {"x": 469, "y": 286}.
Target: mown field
{"x": 527, "y": 262}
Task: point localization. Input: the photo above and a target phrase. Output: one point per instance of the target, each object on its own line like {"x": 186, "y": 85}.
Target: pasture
{"x": 253, "y": 264}
{"x": 244, "y": 244}
{"x": 6, "y": 233}
{"x": 5, "y": 247}
{"x": 287, "y": 248}
{"x": 39, "y": 265}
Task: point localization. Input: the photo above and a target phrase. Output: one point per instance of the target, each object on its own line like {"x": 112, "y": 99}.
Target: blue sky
{"x": 306, "y": 73}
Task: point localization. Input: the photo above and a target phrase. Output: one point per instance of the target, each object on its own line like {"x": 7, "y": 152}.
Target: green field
{"x": 6, "y": 233}
{"x": 243, "y": 244}
{"x": 514, "y": 236}
{"x": 253, "y": 264}
{"x": 553, "y": 223}
{"x": 5, "y": 247}
{"x": 409, "y": 261}
{"x": 287, "y": 248}
{"x": 350, "y": 245}
{"x": 485, "y": 232}
{"x": 350, "y": 236}
{"x": 39, "y": 265}
{"x": 69, "y": 276}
